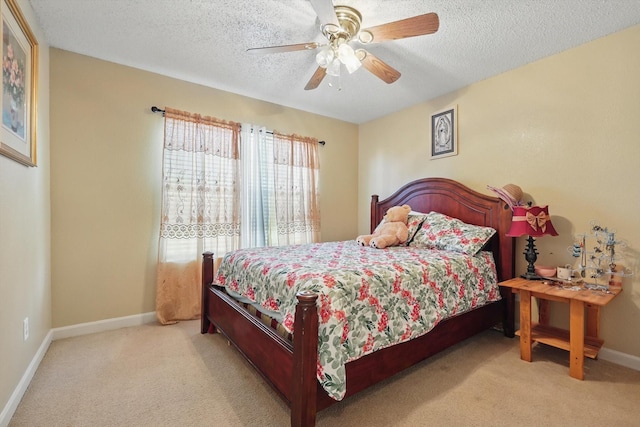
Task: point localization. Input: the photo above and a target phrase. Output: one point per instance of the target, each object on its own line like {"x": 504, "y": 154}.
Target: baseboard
{"x": 103, "y": 325}
{"x": 619, "y": 358}
{"x": 16, "y": 396}
{"x": 66, "y": 332}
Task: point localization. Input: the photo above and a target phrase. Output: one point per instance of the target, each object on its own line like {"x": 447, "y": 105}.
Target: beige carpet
{"x": 155, "y": 375}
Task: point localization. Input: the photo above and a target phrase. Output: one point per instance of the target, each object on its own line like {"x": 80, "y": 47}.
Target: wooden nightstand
{"x": 575, "y": 340}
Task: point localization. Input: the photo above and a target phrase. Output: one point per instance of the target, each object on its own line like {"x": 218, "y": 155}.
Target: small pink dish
{"x": 545, "y": 271}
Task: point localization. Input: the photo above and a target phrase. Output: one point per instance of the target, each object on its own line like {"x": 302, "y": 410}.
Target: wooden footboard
{"x": 289, "y": 369}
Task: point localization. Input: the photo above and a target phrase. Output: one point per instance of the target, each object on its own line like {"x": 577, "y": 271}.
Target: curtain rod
{"x": 155, "y": 109}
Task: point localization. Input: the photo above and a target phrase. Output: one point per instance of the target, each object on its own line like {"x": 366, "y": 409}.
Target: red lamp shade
{"x": 532, "y": 221}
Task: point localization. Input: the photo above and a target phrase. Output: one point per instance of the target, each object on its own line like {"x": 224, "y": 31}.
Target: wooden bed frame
{"x": 291, "y": 368}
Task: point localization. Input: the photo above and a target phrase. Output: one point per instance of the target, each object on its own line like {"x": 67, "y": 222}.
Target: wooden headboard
{"x": 456, "y": 200}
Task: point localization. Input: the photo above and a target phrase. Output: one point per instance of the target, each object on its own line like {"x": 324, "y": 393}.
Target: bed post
{"x": 207, "y": 279}
{"x": 373, "y": 223}
{"x": 305, "y": 361}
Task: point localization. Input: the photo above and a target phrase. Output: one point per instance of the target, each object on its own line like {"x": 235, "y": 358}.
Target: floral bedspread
{"x": 368, "y": 298}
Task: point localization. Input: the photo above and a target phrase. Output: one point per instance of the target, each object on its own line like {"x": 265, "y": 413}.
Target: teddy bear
{"x": 391, "y": 231}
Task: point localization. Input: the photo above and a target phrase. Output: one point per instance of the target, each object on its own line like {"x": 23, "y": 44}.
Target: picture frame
{"x": 19, "y": 86}
{"x": 444, "y": 132}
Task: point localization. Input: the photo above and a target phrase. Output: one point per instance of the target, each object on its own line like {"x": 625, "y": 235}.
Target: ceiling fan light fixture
{"x": 325, "y": 57}
{"x": 334, "y": 68}
{"x": 353, "y": 65}
{"x": 348, "y": 57}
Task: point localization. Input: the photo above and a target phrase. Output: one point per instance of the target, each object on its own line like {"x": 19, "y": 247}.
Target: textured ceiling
{"x": 205, "y": 42}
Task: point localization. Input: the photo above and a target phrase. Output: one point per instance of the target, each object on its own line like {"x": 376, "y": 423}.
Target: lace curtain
{"x": 297, "y": 204}
{"x": 225, "y": 187}
{"x": 200, "y": 207}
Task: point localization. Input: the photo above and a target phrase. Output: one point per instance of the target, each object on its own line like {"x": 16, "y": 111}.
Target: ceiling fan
{"x": 340, "y": 25}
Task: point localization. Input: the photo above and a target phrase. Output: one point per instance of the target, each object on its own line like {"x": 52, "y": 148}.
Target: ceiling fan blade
{"x": 379, "y": 68}
{"x": 284, "y": 48}
{"x": 410, "y": 27}
{"x": 316, "y": 79}
{"x": 325, "y": 11}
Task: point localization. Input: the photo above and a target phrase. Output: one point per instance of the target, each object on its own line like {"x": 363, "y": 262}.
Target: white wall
{"x": 25, "y": 268}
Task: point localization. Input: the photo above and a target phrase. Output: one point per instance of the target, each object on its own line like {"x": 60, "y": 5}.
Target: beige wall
{"x": 25, "y": 287}
{"x": 106, "y": 178}
{"x": 566, "y": 129}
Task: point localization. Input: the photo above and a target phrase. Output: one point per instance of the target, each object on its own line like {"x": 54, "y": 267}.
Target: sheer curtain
{"x": 200, "y": 207}
{"x": 296, "y": 201}
{"x": 256, "y": 181}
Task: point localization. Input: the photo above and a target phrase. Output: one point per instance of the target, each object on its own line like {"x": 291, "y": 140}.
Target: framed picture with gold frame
{"x": 444, "y": 132}
{"x": 19, "y": 86}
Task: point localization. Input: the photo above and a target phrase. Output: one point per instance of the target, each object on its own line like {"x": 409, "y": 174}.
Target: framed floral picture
{"x": 19, "y": 76}
{"x": 444, "y": 132}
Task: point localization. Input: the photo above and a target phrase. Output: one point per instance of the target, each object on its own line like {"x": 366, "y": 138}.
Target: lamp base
{"x": 531, "y": 255}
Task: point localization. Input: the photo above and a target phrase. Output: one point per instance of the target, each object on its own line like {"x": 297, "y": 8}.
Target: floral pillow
{"x": 413, "y": 224}
{"x": 439, "y": 231}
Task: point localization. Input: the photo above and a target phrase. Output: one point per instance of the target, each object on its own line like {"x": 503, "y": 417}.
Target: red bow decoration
{"x": 539, "y": 220}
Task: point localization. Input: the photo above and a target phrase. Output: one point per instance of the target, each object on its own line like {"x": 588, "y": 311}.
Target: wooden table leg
{"x": 576, "y": 339}
{"x": 525, "y": 325}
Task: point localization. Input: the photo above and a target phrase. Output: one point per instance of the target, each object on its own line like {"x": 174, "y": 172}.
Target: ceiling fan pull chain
{"x": 336, "y": 82}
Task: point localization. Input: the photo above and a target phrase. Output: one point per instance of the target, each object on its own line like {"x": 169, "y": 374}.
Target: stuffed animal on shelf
{"x": 391, "y": 231}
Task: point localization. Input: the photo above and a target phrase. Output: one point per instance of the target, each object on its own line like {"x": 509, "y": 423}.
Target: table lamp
{"x": 533, "y": 221}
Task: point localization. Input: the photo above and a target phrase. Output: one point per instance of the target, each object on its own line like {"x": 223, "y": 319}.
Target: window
{"x": 227, "y": 186}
